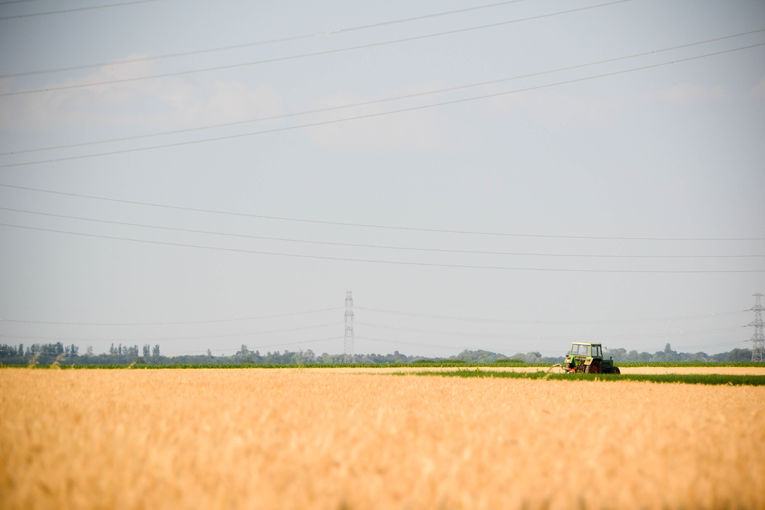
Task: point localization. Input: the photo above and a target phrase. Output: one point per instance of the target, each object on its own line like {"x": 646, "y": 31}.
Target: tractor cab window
{"x": 582, "y": 350}
{"x": 596, "y": 351}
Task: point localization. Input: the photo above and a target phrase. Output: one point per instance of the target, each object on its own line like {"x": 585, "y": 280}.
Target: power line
{"x": 310, "y": 54}
{"x": 368, "y": 245}
{"x": 75, "y": 9}
{"x": 514, "y": 321}
{"x": 669, "y": 335}
{"x": 8, "y": 2}
{"x": 434, "y": 331}
{"x": 262, "y": 42}
{"x": 298, "y": 342}
{"x": 526, "y": 338}
{"x": 379, "y": 114}
{"x": 706, "y": 344}
{"x": 172, "y": 338}
{"x": 383, "y": 100}
{"x": 380, "y": 261}
{"x": 166, "y": 323}
{"x": 415, "y": 344}
{"x": 258, "y": 347}
{"x": 245, "y": 333}
{"x": 509, "y": 337}
{"x": 280, "y": 344}
{"x": 363, "y": 225}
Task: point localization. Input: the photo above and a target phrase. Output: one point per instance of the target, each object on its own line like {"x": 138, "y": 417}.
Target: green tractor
{"x": 587, "y": 357}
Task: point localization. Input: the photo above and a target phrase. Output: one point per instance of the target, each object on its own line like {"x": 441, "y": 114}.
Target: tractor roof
{"x": 584, "y": 343}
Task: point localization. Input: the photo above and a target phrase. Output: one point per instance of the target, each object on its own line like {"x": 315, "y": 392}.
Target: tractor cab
{"x": 587, "y": 357}
{"x": 586, "y": 349}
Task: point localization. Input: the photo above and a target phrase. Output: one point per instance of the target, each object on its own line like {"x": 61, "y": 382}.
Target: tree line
{"x": 118, "y": 354}
{"x": 46, "y": 354}
{"x": 619, "y": 355}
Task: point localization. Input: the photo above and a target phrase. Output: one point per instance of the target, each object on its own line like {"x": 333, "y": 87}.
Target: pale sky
{"x": 623, "y": 161}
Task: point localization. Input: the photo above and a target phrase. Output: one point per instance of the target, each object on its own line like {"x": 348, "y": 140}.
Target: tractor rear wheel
{"x": 594, "y": 368}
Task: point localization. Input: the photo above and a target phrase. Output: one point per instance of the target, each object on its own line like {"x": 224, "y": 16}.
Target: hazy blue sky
{"x": 675, "y": 151}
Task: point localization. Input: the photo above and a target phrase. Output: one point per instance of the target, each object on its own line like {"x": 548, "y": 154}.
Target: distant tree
{"x": 46, "y": 354}
{"x": 618, "y": 354}
{"x": 50, "y": 350}
{"x": 146, "y": 351}
{"x": 699, "y": 356}
{"x": 738, "y": 355}
{"x": 309, "y": 356}
{"x": 669, "y": 354}
{"x": 481, "y": 356}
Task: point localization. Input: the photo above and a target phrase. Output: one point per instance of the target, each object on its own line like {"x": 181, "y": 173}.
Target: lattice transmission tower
{"x": 758, "y": 339}
{"x": 348, "y": 341}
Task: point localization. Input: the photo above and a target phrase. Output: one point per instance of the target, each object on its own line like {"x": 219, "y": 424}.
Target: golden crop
{"x": 253, "y": 438}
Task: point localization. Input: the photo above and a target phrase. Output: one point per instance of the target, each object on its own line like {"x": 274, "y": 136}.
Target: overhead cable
{"x": 545, "y": 322}
{"x": 369, "y": 245}
{"x": 382, "y": 261}
{"x": 168, "y": 323}
{"x": 9, "y": 2}
{"x": 129, "y": 338}
{"x": 74, "y": 9}
{"x": 307, "y": 55}
{"x": 362, "y": 225}
{"x": 382, "y": 100}
{"x": 404, "y": 342}
{"x": 279, "y": 344}
{"x": 259, "y": 43}
{"x": 296, "y": 342}
{"x": 474, "y": 334}
{"x": 519, "y": 339}
{"x": 477, "y": 335}
{"x": 622, "y": 336}
{"x": 258, "y": 347}
{"x": 381, "y": 114}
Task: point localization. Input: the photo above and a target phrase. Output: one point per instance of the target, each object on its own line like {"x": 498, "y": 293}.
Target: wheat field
{"x": 267, "y": 439}
{"x": 724, "y": 370}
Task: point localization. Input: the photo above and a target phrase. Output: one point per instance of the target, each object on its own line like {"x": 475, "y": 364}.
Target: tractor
{"x": 587, "y": 357}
